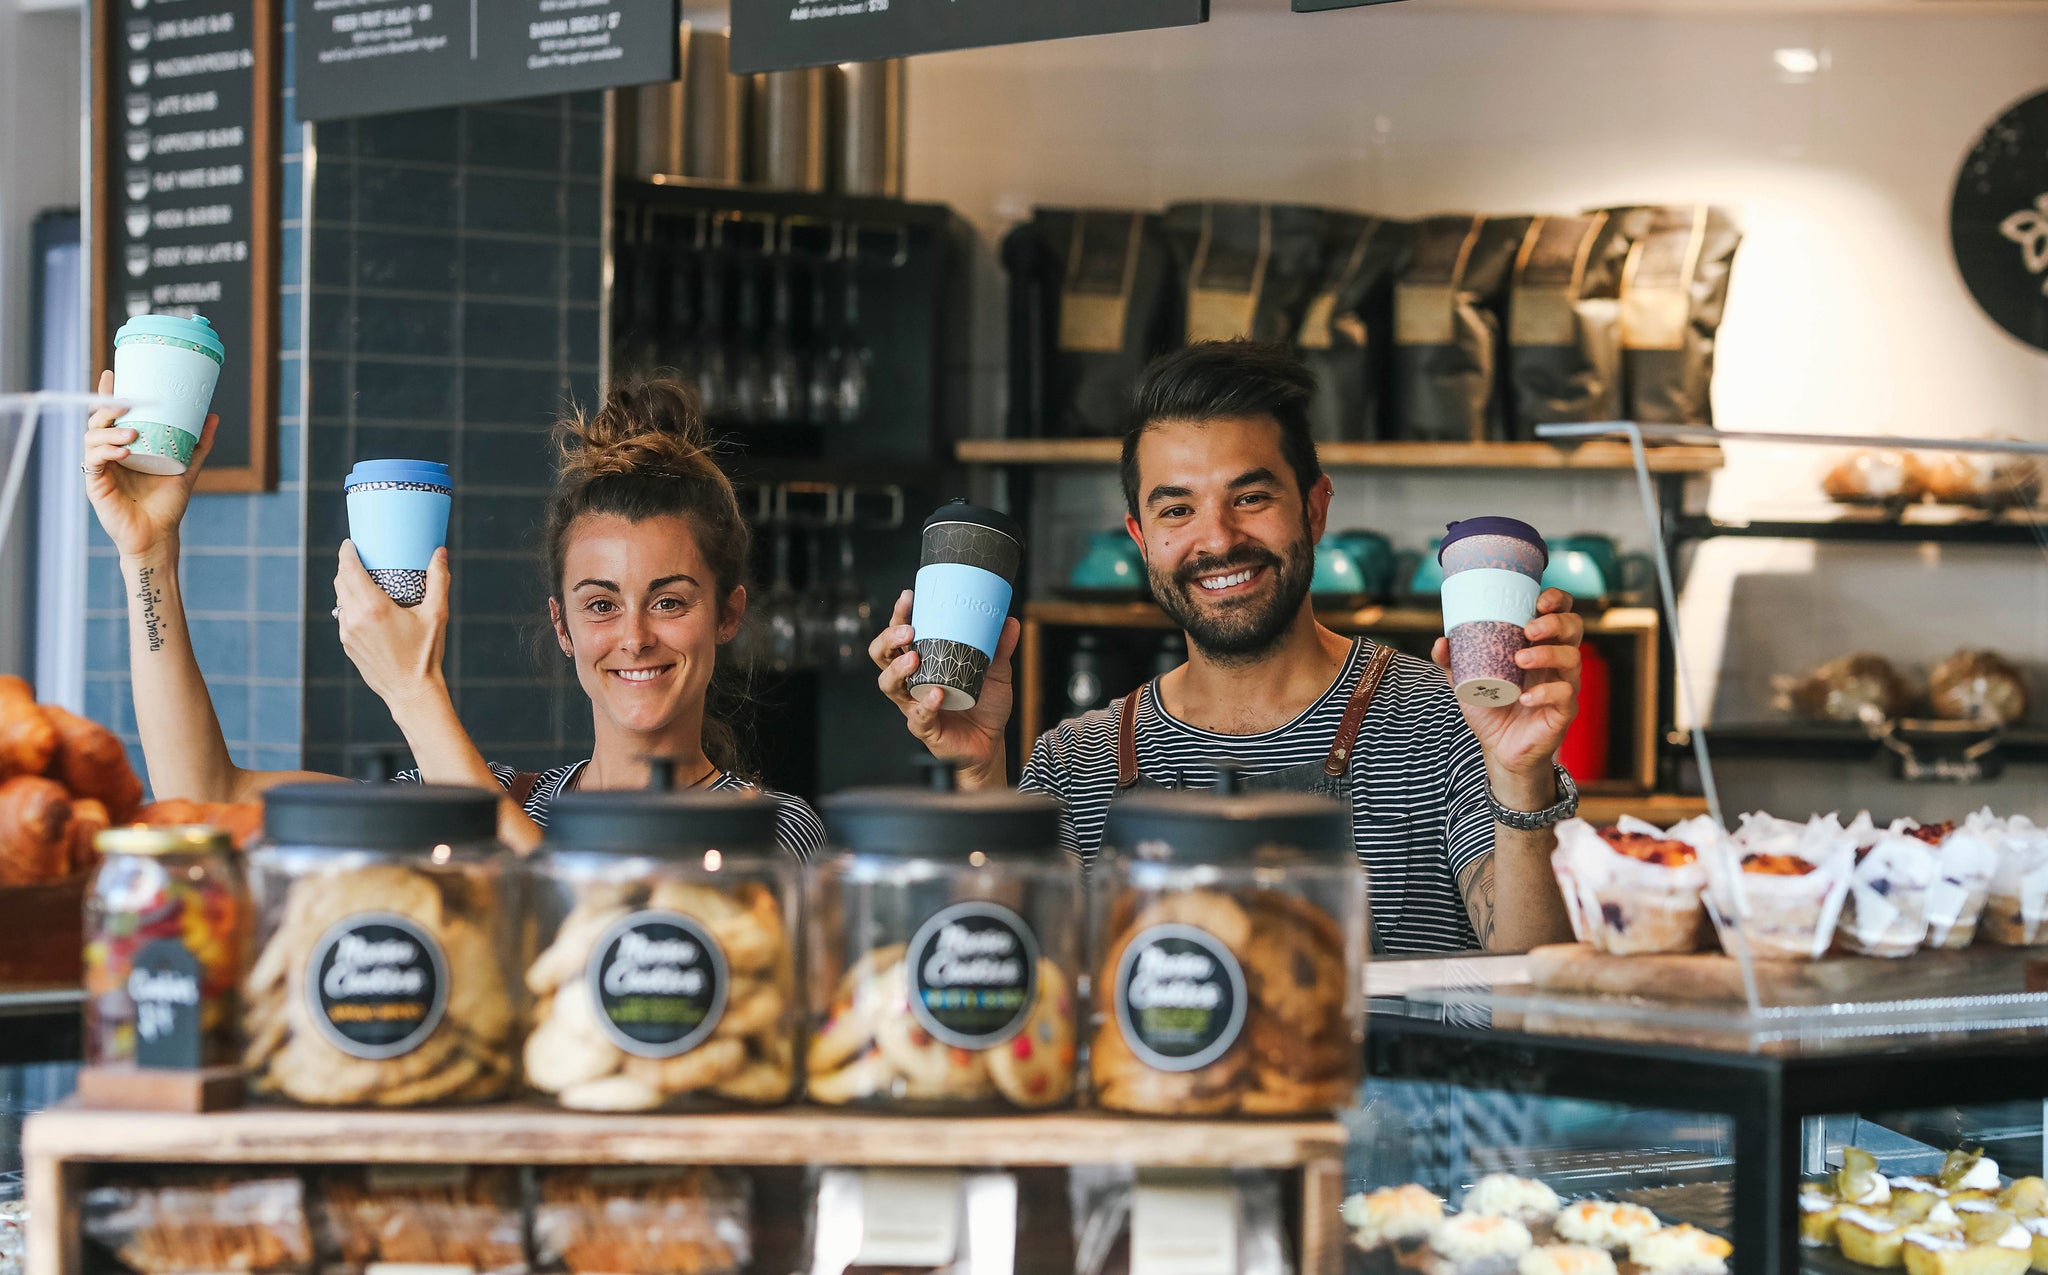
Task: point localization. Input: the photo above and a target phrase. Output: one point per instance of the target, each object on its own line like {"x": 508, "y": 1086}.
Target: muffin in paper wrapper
{"x": 1784, "y": 916}
{"x": 1886, "y": 913}
{"x": 2016, "y": 913}
{"x": 1963, "y": 866}
{"x": 1623, "y": 905}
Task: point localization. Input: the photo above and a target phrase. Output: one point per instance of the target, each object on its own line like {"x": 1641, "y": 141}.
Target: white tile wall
{"x": 1844, "y": 314}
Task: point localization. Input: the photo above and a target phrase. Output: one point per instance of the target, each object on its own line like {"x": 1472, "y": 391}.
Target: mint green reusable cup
{"x": 166, "y": 367}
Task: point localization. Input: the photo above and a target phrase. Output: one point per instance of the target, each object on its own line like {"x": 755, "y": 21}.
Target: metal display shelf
{"x": 1835, "y": 741}
{"x": 1695, "y": 459}
{"x": 1980, "y": 530}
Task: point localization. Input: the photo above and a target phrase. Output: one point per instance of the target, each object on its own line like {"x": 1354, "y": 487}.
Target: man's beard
{"x": 1240, "y": 630}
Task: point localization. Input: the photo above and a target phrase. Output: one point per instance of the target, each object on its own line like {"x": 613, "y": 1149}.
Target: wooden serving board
{"x": 1712, "y": 978}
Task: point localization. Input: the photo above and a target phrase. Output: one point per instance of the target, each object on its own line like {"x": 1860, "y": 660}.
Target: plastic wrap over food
{"x": 1788, "y": 887}
{"x": 651, "y": 1221}
{"x": 1624, "y": 903}
{"x": 1963, "y": 866}
{"x": 1886, "y": 913}
{"x": 468, "y": 1217}
{"x": 2016, "y": 913}
{"x": 206, "y": 1222}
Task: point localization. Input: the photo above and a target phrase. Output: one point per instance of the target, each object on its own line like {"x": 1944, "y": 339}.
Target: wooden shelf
{"x": 1145, "y": 615}
{"x": 519, "y": 1134}
{"x": 1660, "y": 808}
{"x": 1585, "y": 456}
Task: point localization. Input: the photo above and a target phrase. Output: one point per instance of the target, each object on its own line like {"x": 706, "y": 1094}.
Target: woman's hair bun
{"x": 650, "y": 427}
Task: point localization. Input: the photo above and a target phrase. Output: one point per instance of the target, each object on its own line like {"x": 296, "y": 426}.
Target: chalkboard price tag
{"x": 164, "y": 983}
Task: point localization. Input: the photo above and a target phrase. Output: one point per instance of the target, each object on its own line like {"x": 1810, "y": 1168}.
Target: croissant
{"x": 91, "y": 763}
{"x": 35, "y": 831}
{"x": 89, "y": 819}
{"x": 27, "y": 739}
{"x": 240, "y": 820}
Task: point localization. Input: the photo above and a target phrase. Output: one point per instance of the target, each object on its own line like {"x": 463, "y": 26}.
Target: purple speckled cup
{"x": 1493, "y": 573}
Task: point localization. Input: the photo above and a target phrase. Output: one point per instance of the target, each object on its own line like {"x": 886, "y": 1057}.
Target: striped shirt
{"x": 1421, "y": 814}
{"x": 797, "y": 828}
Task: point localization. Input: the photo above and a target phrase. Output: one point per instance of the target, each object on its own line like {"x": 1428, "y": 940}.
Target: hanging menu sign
{"x": 777, "y": 35}
{"x": 370, "y": 57}
{"x": 1998, "y": 221}
{"x": 184, "y": 166}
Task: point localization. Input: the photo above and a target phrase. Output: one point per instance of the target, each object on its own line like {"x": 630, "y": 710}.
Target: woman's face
{"x": 639, "y": 614}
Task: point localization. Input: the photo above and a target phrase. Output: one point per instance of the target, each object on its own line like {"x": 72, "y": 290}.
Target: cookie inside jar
{"x": 662, "y": 968}
{"x": 1229, "y": 941}
{"x": 944, "y": 945}
{"x": 382, "y": 975}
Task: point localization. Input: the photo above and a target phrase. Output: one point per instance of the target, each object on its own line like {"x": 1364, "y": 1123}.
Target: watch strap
{"x": 1536, "y": 820}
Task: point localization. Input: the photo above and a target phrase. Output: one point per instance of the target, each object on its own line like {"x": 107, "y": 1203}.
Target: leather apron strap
{"x": 1340, "y": 750}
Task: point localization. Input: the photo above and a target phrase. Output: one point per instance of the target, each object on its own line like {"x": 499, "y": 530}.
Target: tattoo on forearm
{"x": 1476, "y": 884}
{"x": 149, "y": 595}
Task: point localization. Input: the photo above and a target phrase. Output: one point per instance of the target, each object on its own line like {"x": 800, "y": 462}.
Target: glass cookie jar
{"x": 665, "y": 973}
{"x": 167, "y": 928}
{"x": 944, "y": 946}
{"x": 384, "y": 936}
{"x": 1229, "y": 943}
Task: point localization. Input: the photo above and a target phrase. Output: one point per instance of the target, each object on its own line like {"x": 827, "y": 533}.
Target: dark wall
{"x": 454, "y": 313}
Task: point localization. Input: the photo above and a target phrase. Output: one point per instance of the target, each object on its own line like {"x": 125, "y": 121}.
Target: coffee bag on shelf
{"x": 1245, "y": 270}
{"x": 1447, "y": 328}
{"x": 1092, "y": 301}
{"x": 1673, "y": 288}
{"x": 1564, "y": 323}
{"x": 1346, "y": 331}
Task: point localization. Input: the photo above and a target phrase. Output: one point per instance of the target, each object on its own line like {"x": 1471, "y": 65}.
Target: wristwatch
{"x": 1537, "y": 820}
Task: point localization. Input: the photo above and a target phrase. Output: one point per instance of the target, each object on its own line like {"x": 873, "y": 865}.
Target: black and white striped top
{"x": 797, "y": 827}
{"x": 1420, "y": 813}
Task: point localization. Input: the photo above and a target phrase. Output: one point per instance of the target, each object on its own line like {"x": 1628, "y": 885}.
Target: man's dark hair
{"x": 1210, "y": 380}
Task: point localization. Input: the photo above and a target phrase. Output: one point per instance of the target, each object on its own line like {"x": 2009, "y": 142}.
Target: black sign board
{"x": 776, "y": 35}
{"x": 185, "y": 172}
{"x": 370, "y": 57}
{"x": 164, "y": 982}
{"x": 1998, "y": 221}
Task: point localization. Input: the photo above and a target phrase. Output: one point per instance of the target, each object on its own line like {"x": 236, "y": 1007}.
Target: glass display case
{"x": 1732, "y": 1120}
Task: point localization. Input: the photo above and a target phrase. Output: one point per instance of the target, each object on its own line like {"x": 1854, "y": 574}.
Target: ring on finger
{"x": 336, "y": 612}
{"x": 89, "y": 469}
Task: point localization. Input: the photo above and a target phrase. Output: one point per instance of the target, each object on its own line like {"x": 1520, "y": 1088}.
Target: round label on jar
{"x": 377, "y": 985}
{"x": 973, "y": 974}
{"x": 660, "y": 982}
{"x": 1180, "y": 997}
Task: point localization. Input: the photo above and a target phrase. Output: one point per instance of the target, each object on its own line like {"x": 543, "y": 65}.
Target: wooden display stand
{"x": 61, "y": 1145}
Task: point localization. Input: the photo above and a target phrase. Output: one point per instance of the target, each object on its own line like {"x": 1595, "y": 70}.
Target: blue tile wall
{"x": 243, "y": 567}
{"x": 453, "y": 309}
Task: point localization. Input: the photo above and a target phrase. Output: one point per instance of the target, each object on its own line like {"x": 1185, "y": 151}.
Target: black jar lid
{"x": 378, "y": 816}
{"x": 958, "y": 510}
{"x": 660, "y": 823}
{"x": 947, "y": 826}
{"x": 1205, "y": 826}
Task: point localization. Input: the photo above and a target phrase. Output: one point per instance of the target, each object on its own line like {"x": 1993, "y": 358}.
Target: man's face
{"x": 1229, "y": 541}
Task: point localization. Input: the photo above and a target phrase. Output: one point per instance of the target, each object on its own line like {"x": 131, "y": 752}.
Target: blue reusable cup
{"x": 166, "y": 367}
{"x": 397, "y": 517}
{"x": 964, "y": 578}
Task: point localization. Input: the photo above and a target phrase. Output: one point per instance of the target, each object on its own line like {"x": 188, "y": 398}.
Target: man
{"x": 1452, "y": 808}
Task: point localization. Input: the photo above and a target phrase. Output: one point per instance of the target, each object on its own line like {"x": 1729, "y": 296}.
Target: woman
{"x": 646, "y": 549}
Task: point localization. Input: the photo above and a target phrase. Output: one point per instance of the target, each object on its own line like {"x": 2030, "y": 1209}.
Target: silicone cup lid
{"x": 959, "y": 510}
{"x": 399, "y": 471}
{"x": 1205, "y": 826}
{"x": 1492, "y": 525}
{"x": 196, "y": 329}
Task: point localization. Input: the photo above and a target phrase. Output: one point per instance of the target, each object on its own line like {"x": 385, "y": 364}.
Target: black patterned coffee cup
{"x": 965, "y": 576}
{"x": 1493, "y": 573}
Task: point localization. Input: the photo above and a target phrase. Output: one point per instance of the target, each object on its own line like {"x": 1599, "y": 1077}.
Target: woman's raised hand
{"x": 139, "y": 511}
{"x": 397, "y": 649}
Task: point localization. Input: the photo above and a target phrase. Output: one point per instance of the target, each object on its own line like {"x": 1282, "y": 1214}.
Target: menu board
{"x": 370, "y": 57}
{"x": 185, "y": 176}
{"x": 777, "y": 35}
